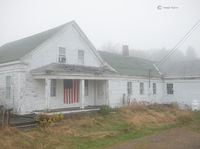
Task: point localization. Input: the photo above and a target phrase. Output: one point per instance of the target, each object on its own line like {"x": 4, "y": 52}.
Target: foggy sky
{"x": 137, "y": 23}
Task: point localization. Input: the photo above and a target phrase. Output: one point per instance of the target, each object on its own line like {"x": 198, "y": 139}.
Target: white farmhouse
{"x": 60, "y": 69}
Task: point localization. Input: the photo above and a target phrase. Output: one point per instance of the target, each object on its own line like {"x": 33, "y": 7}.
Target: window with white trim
{"x": 8, "y": 87}
{"x": 53, "y": 88}
{"x": 62, "y": 55}
{"x": 154, "y": 88}
{"x": 141, "y": 88}
{"x": 170, "y": 88}
{"x": 129, "y": 88}
{"x": 86, "y": 87}
{"x": 80, "y": 57}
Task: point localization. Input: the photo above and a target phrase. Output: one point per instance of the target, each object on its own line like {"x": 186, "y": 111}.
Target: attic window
{"x": 80, "y": 57}
{"x": 62, "y": 55}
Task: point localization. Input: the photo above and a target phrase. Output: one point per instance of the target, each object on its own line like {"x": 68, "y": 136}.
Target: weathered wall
{"x": 119, "y": 87}
{"x": 185, "y": 91}
{"x": 15, "y": 71}
{"x": 69, "y": 38}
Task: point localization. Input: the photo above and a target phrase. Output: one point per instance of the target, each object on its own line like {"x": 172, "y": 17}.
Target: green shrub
{"x": 44, "y": 119}
{"x": 104, "y": 110}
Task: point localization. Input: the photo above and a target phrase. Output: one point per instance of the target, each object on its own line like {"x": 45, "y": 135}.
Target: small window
{"x": 86, "y": 88}
{"x": 8, "y": 87}
{"x": 154, "y": 88}
{"x": 53, "y": 88}
{"x": 62, "y": 55}
{"x": 170, "y": 89}
{"x": 141, "y": 88}
{"x": 80, "y": 56}
{"x": 129, "y": 88}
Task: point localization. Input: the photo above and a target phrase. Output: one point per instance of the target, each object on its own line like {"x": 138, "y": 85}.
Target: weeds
{"x": 96, "y": 130}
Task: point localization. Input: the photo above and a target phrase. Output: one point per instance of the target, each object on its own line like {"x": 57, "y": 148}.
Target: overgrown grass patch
{"x": 97, "y": 131}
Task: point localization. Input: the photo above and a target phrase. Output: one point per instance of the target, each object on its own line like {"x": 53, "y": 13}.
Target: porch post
{"x": 107, "y": 92}
{"x": 47, "y": 92}
{"x": 82, "y": 93}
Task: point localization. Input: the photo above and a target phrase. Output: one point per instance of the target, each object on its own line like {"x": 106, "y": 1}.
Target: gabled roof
{"x": 128, "y": 65}
{"x": 15, "y": 50}
{"x": 181, "y": 68}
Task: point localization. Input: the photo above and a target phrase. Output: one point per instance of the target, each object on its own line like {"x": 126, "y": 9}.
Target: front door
{"x": 100, "y": 92}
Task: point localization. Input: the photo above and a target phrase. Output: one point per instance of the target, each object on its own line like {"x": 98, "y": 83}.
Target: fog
{"x": 142, "y": 24}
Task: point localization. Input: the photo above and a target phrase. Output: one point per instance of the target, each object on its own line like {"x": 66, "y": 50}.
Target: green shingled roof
{"x": 128, "y": 65}
{"x": 15, "y": 50}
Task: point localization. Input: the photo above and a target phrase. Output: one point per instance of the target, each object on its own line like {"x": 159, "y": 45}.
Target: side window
{"x": 86, "y": 88}
{"x": 62, "y": 55}
{"x": 170, "y": 88}
{"x": 8, "y": 87}
{"x": 53, "y": 88}
{"x": 154, "y": 88}
{"x": 141, "y": 88}
{"x": 129, "y": 88}
{"x": 80, "y": 57}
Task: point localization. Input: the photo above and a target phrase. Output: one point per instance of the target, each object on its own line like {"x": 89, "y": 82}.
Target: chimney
{"x": 125, "y": 50}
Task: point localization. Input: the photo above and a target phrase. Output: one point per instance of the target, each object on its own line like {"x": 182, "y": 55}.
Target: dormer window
{"x": 62, "y": 55}
{"x": 80, "y": 57}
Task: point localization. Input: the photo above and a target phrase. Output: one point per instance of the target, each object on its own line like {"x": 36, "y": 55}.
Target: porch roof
{"x": 66, "y": 68}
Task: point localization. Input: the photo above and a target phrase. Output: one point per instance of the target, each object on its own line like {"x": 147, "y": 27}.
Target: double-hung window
{"x": 154, "y": 88}
{"x": 86, "y": 87}
{"x": 141, "y": 88}
{"x": 62, "y": 55}
{"x": 80, "y": 57}
{"x": 8, "y": 87}
{"x": 53, "y": 88}
{"x": 129, "y": 88}
{"x": 170, "y": 88}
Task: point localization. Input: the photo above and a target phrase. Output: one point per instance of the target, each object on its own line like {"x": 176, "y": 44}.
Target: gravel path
{"x": 176, "y": 138}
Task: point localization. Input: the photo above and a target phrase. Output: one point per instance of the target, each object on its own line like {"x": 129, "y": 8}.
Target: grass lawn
{"x": 96, "y": 131}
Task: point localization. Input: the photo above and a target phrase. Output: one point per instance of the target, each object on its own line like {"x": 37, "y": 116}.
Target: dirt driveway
{"x": 176, "y": 138}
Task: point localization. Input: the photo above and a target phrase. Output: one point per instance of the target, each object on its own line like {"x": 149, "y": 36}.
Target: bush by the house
{"x": 44, "y": 119}
{"x": 104, "y": 110}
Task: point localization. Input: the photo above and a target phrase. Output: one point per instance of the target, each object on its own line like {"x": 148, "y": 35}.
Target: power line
{"x": 185, "y": 37}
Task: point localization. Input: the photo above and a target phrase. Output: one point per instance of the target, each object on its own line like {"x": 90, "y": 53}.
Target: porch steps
{"x": 27, "y": 126}
{"x": 67, "y": 112}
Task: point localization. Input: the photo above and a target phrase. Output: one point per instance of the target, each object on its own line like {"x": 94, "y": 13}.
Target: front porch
{"x": 74, "y": 95}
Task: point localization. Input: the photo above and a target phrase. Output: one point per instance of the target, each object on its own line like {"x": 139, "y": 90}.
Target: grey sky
{"x": 137, "y": 23}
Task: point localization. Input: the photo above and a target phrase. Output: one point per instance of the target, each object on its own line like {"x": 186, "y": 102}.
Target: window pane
{"x": 154, "y": 88}
{"x": 129, "y": 87}
{"x": 62, "y": 55}
{"x": 141, "y": 88}
{"x": 53, "y": 88}
{"x": 8, "y": 87}
{"x": 170, "y": 89}
{"x": 61, "y": 51}
{"x": 86, "y": 87}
